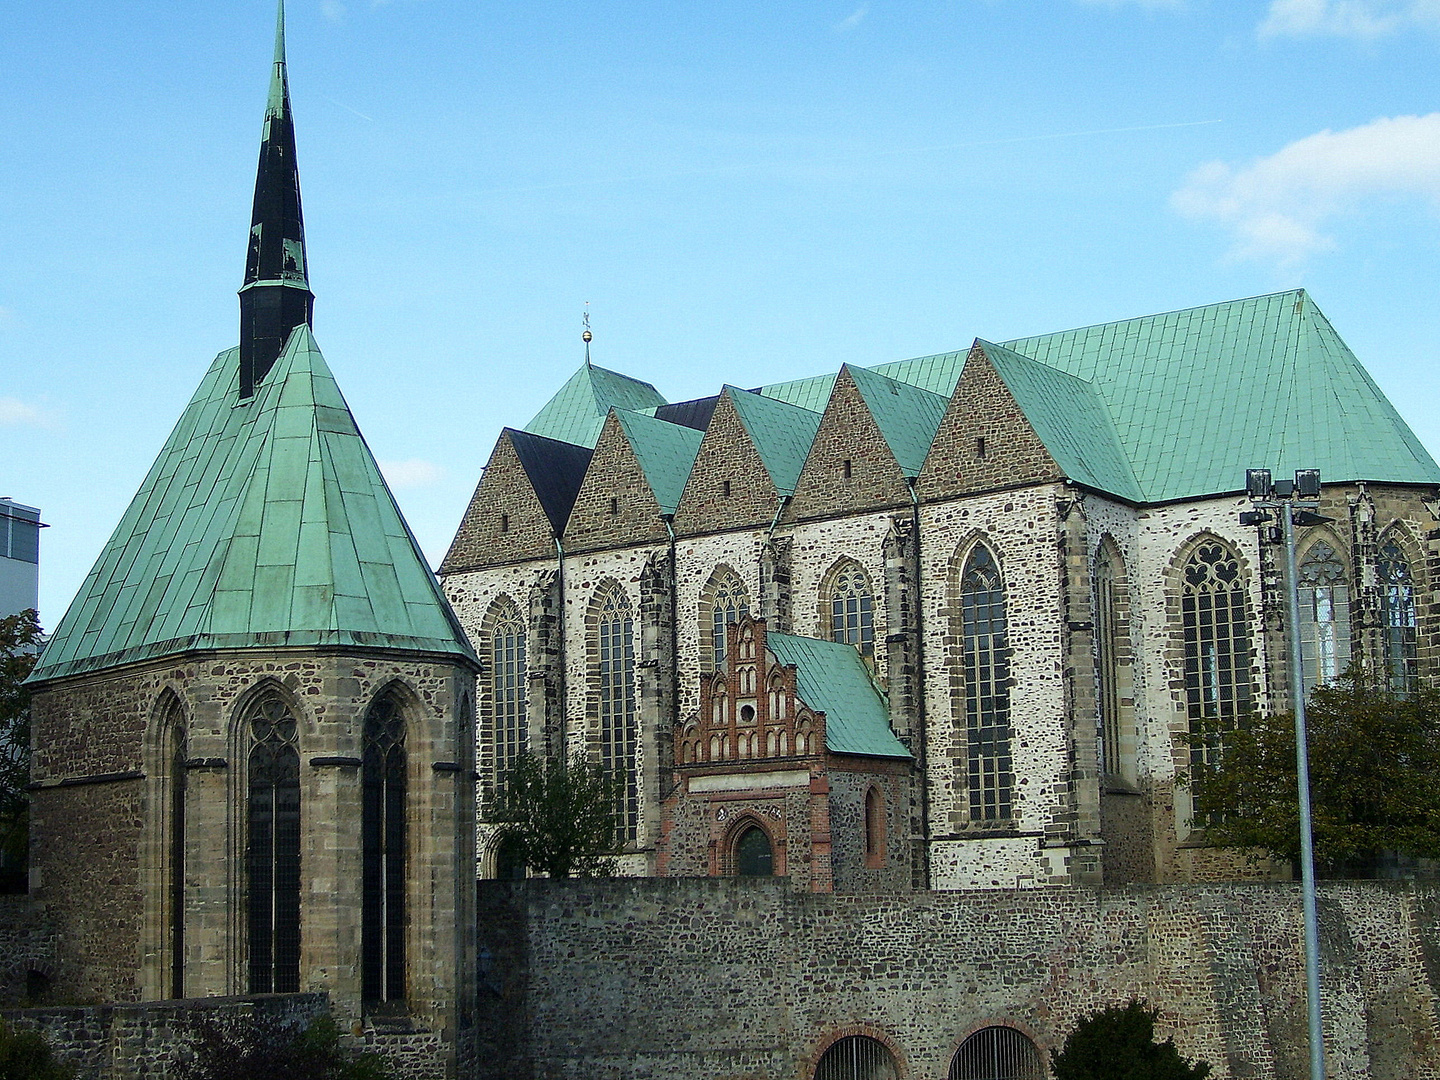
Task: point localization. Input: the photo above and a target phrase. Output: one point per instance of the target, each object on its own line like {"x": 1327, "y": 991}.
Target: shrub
{"x": 267, "y": 1049}
{"x": 25, "y": 1055}
{"x": 1118, "y": 1043}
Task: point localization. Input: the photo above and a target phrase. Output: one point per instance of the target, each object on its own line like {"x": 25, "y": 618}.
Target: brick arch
{"x": 743, "y": 823}
{"x": 724, "y": 579}
{"x": 871, "y": 1031}
{"x": 1041, "y": 1043}
{"x": 844, "y": 572}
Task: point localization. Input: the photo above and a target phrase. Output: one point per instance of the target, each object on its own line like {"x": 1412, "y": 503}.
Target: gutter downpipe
{"x": 920, "y": 695}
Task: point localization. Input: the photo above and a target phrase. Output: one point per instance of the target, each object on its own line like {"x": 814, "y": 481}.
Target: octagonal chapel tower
{"x": 253, "y": 766}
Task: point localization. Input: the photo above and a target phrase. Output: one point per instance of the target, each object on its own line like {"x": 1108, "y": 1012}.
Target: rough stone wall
{"x": 890, "y": 871}
{"x": 616, "y": 505}
{"x": 725, "y": 978}
{"x": 504, "y": 521}
{"x": 27, "y": 952}
{"x": 729, "y": 487}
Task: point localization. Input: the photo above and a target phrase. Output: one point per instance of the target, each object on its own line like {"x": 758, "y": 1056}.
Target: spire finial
{"x": 586, "y": 337}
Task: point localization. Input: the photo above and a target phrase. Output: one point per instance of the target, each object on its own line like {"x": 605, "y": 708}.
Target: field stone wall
{"x": 727, "y": 978}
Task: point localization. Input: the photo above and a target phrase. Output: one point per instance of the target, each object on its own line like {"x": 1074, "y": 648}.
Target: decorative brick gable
{"x": 616, "y": 505}
{"x": 729, "y": 487}
{"x": 504, "y": 521}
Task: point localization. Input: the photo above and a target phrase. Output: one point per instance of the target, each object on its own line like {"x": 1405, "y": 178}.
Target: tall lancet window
{"x": 852, "y": 607}
{"x": 382, "y": 827}
{"x": 1398, "y": 617}
{"x": 987, "y": 687}
{"x": 614, "y": 653}
{"x": 1107, "y": 667}
{"x": 722, "y": 602}
{"x": 273, "y": 857}
{"x": 1324, "y": 615}
{"x": 173, "y": 725}
{"x": 1216, "y": 626}
{"x": 509, "y": 736}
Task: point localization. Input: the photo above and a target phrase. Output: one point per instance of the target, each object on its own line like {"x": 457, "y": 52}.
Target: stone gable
{"x": 729, "y": 487}
{"x": 504, "y": 522}
{"x": 616, "y": 505}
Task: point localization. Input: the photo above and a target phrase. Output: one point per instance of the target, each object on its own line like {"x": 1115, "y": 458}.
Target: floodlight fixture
{"x": 1257, "y": 483}
{"x": 1284, "y": 489}
{"x": 1307, "y": 483}
{"x": 1254, "y": 517}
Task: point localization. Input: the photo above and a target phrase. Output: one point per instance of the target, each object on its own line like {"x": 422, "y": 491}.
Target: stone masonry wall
{"x": 748, "y": 978}
{"x": 27, "y": 951}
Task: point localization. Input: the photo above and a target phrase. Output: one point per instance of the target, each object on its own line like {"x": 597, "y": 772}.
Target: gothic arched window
{"x": 1215, "y": 623}
{"x": 857, "y": 1057}
{"x": 723, "y": 601}
{"x": 754, "y": 856}
{"x": 997, "y": 1053}
{"x": 273, "y": 847}
{"x": 851, "y": 602}
{"x": 383, "y": 837}
{"x": 508, "y": 718}
{"x": 1324, "y": 615}
{"x": 987, "y": 687}
{"x": 614, "y": 652}
{"x": 874, "y": 828}
{"x": 1107, "y": 666}
{"x": 1397, "y": 617}
{"x": 174, "y": 749}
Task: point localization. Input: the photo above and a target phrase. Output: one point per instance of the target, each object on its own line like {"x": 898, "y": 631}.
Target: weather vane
{"x": 587, "y": 336}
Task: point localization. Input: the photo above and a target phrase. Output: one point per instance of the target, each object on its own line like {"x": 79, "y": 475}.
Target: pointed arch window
{"x": 1215, "y": 622}
{"x": 1397, "y": 617}
{"x": 754, "y": 857}
{"x": 619, "y": 735}
{"x": 273, "y": 847}
{"x": 509, "y": 735}
{"x": 172, "y": 725}
{"x": 874, "y": 828}
{"x": 723, "y": 602}
{"x": 1324, "y": 615}
{"x": 383, "y": 834}
{"x": 987, "y": 687}
{"x": 851, "y": 600}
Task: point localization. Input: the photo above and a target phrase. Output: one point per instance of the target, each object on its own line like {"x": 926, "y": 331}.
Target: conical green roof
{"x": 264, "y": 522}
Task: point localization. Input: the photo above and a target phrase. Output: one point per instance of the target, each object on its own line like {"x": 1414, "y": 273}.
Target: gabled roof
{"x": 832, "y": 678}
{"x": 260, "y": 524}
{"x": 938, "y": 373}
{"x": 577, "y": 411}
{"x": 1070, "y": 418}
{"x": 666, "y": 452}
{"x": 556, "y": 470}
{"x": 782, "y": 434}
{"x": 906, "y": 416}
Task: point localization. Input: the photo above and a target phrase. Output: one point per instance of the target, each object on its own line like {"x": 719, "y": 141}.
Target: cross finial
{"x": 586, "y": 336}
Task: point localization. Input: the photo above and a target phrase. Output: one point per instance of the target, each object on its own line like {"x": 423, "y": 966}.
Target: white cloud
{"x": 411, "y": 473}
{"x": 1362, "y": 19}
{"x": 1277, "y": 207}
{"x": 14, "y": 413}
{"x": 333, "y": 10}
{"x": 854, "y": 19}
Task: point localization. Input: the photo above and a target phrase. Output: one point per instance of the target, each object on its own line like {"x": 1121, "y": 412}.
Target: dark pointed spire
{"x": 276, "y": 295}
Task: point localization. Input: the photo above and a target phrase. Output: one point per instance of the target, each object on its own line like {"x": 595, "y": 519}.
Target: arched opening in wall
{"x": 997, "y": 1053}
{"x": 383, "y": 842}
{"x": 847, "y": 601}
{"x": 874, "y": 828}
{"x": 273, "y": 846}
{"x": 986, "y": 648}
{"x": 722, "y": 602}
{"x": 1112, "y": 663}
{"x": 1398, "y": 643}
{"x": 612, "y": 650}
{"x": 857, "y": 1057}
{"x": 1215, "y": 623}
{"x": 1324, "y": 613}
{"x": 754, "y": 856}
{"x": 174, "y": 753}
{"x": 510, "y": 859}
{"x": 507, "y": 730}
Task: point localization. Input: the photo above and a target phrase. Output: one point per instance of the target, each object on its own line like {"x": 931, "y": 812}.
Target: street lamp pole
{"x": 1295, "y": 503}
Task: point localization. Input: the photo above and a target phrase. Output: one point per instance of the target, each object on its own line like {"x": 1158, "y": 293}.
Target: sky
{"x": 741, "y": 193}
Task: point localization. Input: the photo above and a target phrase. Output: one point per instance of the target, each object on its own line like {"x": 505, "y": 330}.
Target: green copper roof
{"x": 260, "y": 524}
{"x": 577, "y": 412}
{"x": 782, "y": 434}
{"x": 833, "y": 679}
{"x": 906, "y": 416}
{"x": 938, "y": 374}
{"x": 812, "y": 393}
{"x": 1197, "y": 396}
{"x": 1071, "y": 420}
{"x": 666, "y": 453}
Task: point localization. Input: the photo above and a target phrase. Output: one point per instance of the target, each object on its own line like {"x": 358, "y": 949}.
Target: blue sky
{"x": 743, "y": 193}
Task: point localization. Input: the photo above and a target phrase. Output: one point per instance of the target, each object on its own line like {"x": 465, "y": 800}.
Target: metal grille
{"x": 857, "y": 1057}
{"x": 1398, "y": 618}
{"x": 1324, "y": 616}
{"x": 729, "y": 602}
{"x": 987, "y": 688}
{"x": 507, "y": 672}
{"x": 852, "y": 609}
{"x": 1107, "y": 667}
{"x": 382, "y": 904}
{"x": 274, "y": 850}
{"x": 997, "y": 1053}
{"x": 1217, "y": 648}
{"x": 618, "y": 735}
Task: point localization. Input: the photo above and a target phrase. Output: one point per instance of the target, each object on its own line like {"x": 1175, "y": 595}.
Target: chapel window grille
{"x": 1216, "y": 625}
{"x": 273, "y": 856}
{"x": 852, "y": 609}
{"x": 987, "y": 688}
{"x": 619, "y": 737}
{"x": 1398, "y": 619}
{"x": 383, "y": 831}
{"x": 1324, "y": 615}
{"x": 509, "y": 729}
{"x": 728, "y": 603}
{"x": 1107, "y": 667}
{"x": 997, "y": 1053}
{"x": 857, "y": 1057}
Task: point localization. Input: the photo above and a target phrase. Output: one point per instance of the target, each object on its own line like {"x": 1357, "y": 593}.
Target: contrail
{"x": 596, "y": 181}
{"x": 347, "y": 108}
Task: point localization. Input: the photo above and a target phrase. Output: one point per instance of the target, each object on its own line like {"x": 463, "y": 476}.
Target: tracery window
{"x": 723, "y": 602}
{"x": 273, "y": 847}
{"x": 1397, "y": 622}
{"x": 857, "y": 1057}
{"x": 997, "y": 1053}
{"x": 383, "y": 832}
{"x": 852, "y": 607}
{"x": 619, "y": 736}
{"x": 1216, "y": 626}
{"x": 1107, "y": 656}
{"x": 987, "y": 687}
{"x": 1324, "y": 615}
{"x": 508, "y": 726}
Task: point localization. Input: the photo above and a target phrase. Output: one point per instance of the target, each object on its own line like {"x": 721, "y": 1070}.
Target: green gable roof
{"x": 782, "y": 434}
{"x": 666, "y": 453}
{"x": 938, "y": 374}
{"x": 259, "y": 525}
{"x": 832, "y": 678}
{"x": 577, "y": 411}
{"x": 906, "y": 416}
{"x": 810, "y": 393}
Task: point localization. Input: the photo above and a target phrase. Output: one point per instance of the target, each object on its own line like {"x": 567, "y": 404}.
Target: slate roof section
{"x": 666, "y": 452}
{"x": 556, "y": 469}
{"x": 906, "y": 416}
{"x": 695, "y": 413}
{"x": 832, "y": 678}
{"x": 259, "y": 525}
{"x": 782, "y": 434}
{"x": 577, "y": 411}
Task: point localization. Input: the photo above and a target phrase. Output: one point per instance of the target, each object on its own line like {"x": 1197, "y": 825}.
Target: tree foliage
{"x": 266, "y": 1049}
{"x": 1118, "y": 1043}
{"x": 558, "y": 816}
{"x": 1373, "y": 761}
{"x": 20, "y": 640}
{"x": 25, "y": 1055}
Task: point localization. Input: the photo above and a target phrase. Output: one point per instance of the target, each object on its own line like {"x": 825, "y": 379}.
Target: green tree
{"x": 267, "y": 1049}
{"x": 1373, "y": 758}
{"x": 25, "y": 1055}
{"x": 558, "y": 817}
{"x": 20, "y": 640}
{"x": 1118, "y": 1043}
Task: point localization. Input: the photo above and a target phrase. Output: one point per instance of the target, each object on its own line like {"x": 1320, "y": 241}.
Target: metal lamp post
{"x": 1295, "y": 503}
